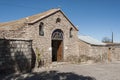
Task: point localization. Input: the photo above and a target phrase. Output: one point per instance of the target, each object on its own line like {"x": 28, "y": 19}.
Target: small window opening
{"x": 109, "y": 48}
{"x": 58, "y": 20}
{"x": 70, "y": 33}
{"x": 41, "y": 29}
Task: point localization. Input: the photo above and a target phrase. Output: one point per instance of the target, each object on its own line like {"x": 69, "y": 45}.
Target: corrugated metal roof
{"x": 90, "y": 40}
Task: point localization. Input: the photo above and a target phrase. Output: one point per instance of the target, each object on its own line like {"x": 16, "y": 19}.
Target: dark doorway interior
{"x": 57, "y": 50}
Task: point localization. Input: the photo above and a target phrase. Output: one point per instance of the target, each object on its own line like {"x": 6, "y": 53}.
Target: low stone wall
{"x": 98, "y": 53}
{"x": 15, "y": 55}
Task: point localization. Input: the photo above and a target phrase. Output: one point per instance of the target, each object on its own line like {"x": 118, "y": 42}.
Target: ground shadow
{"x": 51, "y": 75}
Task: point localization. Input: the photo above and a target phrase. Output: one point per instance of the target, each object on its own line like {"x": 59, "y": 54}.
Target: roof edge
{"x": 91, "y": 43}
{"x": 34, "y": 21}
{"x": 57, "y": 10}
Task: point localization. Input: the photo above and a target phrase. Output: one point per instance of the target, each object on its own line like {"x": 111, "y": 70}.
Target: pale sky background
{"x": 96, "y": 18}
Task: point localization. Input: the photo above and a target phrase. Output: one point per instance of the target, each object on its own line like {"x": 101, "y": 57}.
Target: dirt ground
{"x": 67, "y": 71}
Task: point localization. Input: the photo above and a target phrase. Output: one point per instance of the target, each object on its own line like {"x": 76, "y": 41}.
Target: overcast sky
{"x": 96, "y": 18}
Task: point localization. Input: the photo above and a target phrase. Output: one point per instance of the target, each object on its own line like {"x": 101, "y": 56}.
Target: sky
{"x": 95, "y": 18}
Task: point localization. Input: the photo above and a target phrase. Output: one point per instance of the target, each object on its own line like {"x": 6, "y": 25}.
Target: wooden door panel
{"x": 60, "y": 51}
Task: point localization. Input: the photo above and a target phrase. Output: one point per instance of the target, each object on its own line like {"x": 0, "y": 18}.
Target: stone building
{"x": 50, "y": 34}
{"x": 47, "y": 37}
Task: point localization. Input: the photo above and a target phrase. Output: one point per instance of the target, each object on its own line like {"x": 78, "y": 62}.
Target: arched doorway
{"x": 57, "y": 45}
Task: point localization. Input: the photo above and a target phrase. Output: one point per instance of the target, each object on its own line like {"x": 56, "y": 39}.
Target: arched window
{"x": 58, "y": 20}
{"x": 70, "y": 33}
{"x": 57, "y": 35}
{"x": 41, "y": 29}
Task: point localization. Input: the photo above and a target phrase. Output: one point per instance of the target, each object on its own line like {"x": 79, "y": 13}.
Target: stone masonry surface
{"x": 15, "y": 55}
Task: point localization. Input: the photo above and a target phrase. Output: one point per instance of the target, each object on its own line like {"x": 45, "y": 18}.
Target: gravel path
{"x": 105, "y": 71}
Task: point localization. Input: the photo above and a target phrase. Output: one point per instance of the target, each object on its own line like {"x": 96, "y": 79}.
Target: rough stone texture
{"x": 99, "y": 53}
{"x": 15, "y": 55}
{"x": 43, "y": 43}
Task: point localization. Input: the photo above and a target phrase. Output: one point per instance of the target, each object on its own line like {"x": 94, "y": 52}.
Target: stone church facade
{"x": 50, "y": 34}
{"x": 49, "y": 37}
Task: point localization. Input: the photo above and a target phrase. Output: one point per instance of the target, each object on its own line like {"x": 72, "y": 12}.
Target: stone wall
{"x": 98, "y": 53}
{"x": 43, "y": 43}
{"x": 90, "y": 52}
{"x": 15, "y": 55}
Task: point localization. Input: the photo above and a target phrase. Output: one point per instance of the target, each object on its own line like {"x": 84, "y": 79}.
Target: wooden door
{"x": 60, "y": 51}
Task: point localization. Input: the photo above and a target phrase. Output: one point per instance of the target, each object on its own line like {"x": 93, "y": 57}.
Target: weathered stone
{"x": 15, "y": 55}
{"x": 66, "y": 46}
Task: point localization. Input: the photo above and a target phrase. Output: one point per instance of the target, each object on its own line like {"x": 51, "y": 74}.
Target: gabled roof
{"x": 14, "y": 25}
{"x": 40, "y": 16}
{"x": 90, "y": 40}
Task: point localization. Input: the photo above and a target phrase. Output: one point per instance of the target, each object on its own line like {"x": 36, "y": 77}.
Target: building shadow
{"x": 15, "y": 59}
{"x": 33, "y": 59}
{"x": 6, "y": 61}
{"x": 51, "y": 75}
{"x": 22, "y": 63}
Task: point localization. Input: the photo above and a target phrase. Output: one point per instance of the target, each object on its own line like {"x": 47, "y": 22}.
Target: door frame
{"x": 57, "y": 35}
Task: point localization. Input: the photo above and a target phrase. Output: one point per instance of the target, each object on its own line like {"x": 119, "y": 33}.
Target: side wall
{"x": 98, "y": 53}
{"x": 15, "y": 55}
{"x": 92, "y": 52}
